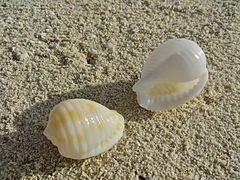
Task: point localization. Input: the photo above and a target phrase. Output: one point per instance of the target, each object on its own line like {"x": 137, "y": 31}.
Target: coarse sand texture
{"x": 51, "y": 51}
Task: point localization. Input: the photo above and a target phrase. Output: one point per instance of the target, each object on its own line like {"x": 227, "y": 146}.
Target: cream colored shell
{"x": 174, "y": 74}
{"x": 82, "y": 128}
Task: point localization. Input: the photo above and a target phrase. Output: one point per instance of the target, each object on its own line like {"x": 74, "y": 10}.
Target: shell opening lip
{"x": 172, "y": 101}
{"x": 168, "y": 89}
{"x": 143, "y": 84}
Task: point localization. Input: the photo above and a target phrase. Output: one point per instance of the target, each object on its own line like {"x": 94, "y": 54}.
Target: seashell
{"x": 174, "y": 73}
{"x": 82, "y": 128}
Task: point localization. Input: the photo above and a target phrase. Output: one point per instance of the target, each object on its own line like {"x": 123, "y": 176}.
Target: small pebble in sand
{"x": 18, "y": 54}
{"x": 124, "y": 22}
{"x": 51, "y": 15}
{"x": 109, "y": 45}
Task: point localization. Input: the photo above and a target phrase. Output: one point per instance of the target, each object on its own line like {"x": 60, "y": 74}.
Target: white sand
{"x": 66, "y": 49}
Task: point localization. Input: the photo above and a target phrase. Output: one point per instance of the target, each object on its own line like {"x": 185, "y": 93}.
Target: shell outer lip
{"x": 142, "y": 84}
{"x": 145, "y": 103}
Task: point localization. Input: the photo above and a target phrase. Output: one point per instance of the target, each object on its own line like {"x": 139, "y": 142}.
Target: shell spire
{"x": 174, "y": 73}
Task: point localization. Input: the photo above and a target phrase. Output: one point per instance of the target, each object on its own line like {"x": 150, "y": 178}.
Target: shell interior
{"x": 169, "y": 89}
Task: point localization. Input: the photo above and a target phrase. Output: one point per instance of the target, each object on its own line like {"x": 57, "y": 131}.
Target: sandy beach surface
{"x": 56, "y": 50}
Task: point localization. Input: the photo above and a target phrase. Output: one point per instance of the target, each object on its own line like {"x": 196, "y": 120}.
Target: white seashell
{"x": 81, "y": 128}
{"x": 174, "y": 73}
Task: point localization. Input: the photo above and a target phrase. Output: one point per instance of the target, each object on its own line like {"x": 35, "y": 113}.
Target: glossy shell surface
{"x": 173, "y": 74}
{"x": 82, "y": 128}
